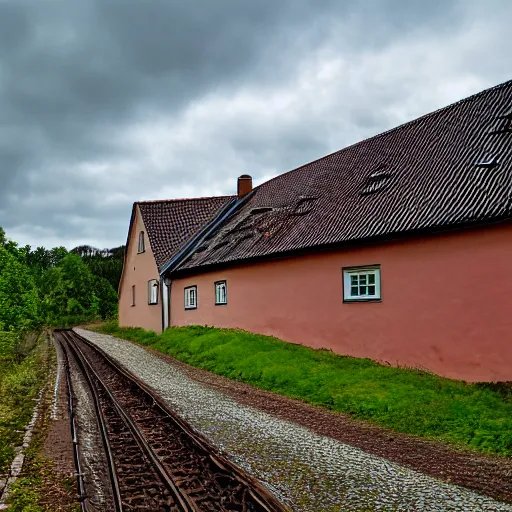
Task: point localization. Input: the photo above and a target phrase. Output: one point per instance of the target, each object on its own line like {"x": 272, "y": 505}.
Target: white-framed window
{"x": 361, "y": 284}
{"x": 142, "y": 245}
{"x": 133, "y": 295}
{"x": 221, "y": 293}
{"x": 153, "y": 291}
{"x": 191, "y": 297}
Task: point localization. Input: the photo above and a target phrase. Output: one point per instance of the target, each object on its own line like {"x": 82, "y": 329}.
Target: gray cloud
{"x": 110, "y": 101}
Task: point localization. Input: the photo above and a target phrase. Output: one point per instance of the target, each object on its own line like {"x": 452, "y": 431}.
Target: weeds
{"x": 40, "y": 487}
{"x": 20, "y": 380}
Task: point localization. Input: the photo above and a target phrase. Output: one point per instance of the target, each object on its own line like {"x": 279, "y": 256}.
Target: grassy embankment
{"x": 21, "y": 375}
{"x": 406, "y": 400}
{"x": 24, "y": 367}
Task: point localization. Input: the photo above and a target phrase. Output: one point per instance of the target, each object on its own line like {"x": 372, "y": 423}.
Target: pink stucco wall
{"x": 446, "y": 303}
{"x": 138, "y": 270}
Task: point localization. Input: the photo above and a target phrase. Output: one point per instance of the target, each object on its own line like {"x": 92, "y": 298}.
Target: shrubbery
{"x": 18, "y": 294}
{"x": 54, "y": 287}
{"x": 20, "y": 378}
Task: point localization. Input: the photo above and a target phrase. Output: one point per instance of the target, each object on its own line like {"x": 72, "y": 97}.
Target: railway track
{"x": 156, "y": 461}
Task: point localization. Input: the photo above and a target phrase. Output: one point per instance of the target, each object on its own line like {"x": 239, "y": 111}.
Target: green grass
{"x": 40, "y": 487}
{"x": 406, "y": 400}
{"x": 20, "y": 380}
{"x": 7, "y": 343}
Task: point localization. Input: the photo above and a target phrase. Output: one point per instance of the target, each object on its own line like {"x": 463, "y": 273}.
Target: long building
{"x": 397, "y": 248}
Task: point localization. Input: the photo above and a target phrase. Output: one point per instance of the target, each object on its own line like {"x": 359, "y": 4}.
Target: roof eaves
{"x": 344, "y": 244}
{"x": 184, "y": 199}
{"x": 132, "y": 218}
{"x": 188, "y": 250}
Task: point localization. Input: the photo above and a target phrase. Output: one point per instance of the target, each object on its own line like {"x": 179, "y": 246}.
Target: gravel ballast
{"x": 308, "y": 471}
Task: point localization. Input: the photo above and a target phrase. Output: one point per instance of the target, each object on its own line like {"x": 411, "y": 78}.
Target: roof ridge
{"x": 149, "y": 201}
{"x": 396, "y": 128}
{"x": 437, "y": 186}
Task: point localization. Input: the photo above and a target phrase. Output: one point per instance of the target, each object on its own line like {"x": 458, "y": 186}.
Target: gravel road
{"x": 308, "y": 471}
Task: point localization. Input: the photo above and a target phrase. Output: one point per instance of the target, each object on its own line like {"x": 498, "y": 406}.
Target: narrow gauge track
{"x": 156, "y": 461}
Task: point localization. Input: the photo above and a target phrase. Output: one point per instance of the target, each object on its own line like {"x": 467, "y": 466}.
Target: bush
{"x": 18, "y": 294}
{"x": 7, "y": 343}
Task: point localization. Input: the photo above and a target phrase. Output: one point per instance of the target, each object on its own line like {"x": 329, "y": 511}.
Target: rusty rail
{"x": 195, "y": 475}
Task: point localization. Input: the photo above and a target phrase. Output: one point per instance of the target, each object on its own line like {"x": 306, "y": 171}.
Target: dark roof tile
{"x": 430, "y": 181}
{"x": 171, "y": 224}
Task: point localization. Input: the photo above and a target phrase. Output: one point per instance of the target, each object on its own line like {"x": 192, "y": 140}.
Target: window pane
{"x": 362, "y": 290}
{"x": 353, "y": 280}
{"x": 371, "y": 278}
{"x": 190, "y": 298}
{"x": 354, "y": 291}
{"x": 371, "y": 290}
{"x": 362, "y": 279}
{"x": 220, "y": 293}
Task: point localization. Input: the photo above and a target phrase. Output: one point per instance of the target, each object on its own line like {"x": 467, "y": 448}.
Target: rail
{"x": 194, "y": 474}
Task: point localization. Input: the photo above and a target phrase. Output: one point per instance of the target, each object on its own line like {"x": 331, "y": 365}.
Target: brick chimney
{"x": 244, "y": 185}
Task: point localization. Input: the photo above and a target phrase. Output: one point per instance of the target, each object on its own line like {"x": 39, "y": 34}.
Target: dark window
{"x": 142, "y": 246}
{"x": 133, "y": 295}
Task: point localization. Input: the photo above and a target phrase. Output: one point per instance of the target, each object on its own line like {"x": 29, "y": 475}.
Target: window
{"x": 153, "y": 291}
{"x": 361, "y": 284}
{"x": 133, "y": 295}
{"x": 141, "y": 242}
{"x": 221, "y": 294}
{"x": 191, "y": 297}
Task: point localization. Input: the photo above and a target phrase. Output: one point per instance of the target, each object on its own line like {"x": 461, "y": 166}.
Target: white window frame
{"x": 142, "y": 243}
{"x": 153, "y": 292}
{"x": 366, "y": 278}
{"x": 191, "y": 297}
{"x": 221, "y": 293}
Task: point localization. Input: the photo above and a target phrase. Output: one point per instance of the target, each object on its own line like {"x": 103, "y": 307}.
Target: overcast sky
{"x": 107, "y": 102}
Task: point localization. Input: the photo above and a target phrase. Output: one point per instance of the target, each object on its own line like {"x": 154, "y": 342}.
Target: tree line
{"x": 56, "y": 287}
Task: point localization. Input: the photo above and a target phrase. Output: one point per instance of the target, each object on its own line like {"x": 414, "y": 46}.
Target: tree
{"x": 53, "y": 284}
{"x": 18, "y": 294}
{"x": 107, "y": 297}
{"x": 106, "y": 263}
{"x": 71, "y": 289}
{"x": 42, "y": 259}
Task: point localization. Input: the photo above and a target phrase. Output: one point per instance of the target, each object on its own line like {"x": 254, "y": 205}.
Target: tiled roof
{"x": 171, "y": 224}
{"x": 422, "y": 175}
